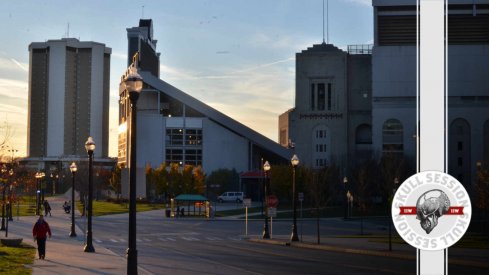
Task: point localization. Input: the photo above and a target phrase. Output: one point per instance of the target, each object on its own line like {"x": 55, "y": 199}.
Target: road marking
{"x": 162, "y": 239}
{"x": 214, "y": 238}
{"x": 97, "y": 240}
{"x": 147, "y": 240}
{"x": 171, "y": 239}
{"x": 122, "y": 240}
{"x": 138, "y": 240}
{"x": 114, "y": 241}
{"x": 234, "y": 238}
{"x": 190, "y": 238}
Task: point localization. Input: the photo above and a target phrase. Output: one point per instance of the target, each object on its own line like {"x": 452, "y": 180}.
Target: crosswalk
{"x": 171, "y": 239}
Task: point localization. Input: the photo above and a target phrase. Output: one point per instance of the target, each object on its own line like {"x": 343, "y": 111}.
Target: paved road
{"x": 189, "y": 246}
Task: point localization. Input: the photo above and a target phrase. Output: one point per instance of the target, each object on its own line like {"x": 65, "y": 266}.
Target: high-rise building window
{"x": 321, "y": 96}
{"x": 313, "y": 97}
{"x": 193, "y": 137}
{"x": 174, "y": 136}
{"x": 329, "y": 96}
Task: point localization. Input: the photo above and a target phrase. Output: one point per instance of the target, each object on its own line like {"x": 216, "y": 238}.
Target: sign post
{"x": 246, "y": 203}
{"x": 301, "y": 199}
{"x": 272, "y": 213}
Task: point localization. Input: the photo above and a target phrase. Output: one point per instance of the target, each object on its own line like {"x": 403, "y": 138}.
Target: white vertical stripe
{"x": 56, "y": 96}
{"x": 97, "y": 96}
{"x": 431, "y": 107}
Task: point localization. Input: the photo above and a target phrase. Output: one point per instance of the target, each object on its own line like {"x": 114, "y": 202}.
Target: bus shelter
{"x": 189, "y": 205}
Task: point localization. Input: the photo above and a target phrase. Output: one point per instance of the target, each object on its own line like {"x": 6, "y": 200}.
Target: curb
{"x": 401, "y": 256}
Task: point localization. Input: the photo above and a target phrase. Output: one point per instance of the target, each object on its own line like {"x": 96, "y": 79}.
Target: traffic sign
{"x": 247, "y": 202}
{"x": 301, "y": 196}
{"x": 272, "y": 212}
{"x": 272, "y": 201}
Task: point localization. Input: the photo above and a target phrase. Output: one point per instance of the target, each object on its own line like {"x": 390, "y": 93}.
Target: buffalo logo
{"x": 430, "y": 206}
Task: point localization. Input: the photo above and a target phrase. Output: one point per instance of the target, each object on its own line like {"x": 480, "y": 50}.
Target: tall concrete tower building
{"x": 68, "y": 98}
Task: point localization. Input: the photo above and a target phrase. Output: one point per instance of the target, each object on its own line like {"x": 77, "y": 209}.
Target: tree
{"x": 199, "y": 180}
{"x": 221, "y": 180}
{"x": 320, "y": 186}
{"x": 115, "y": 180}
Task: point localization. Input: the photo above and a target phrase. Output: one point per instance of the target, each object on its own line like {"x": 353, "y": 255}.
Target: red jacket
{"x": 41, "y": 229}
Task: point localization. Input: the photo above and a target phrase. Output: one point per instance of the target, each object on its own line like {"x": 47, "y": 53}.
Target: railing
{"x": 360, "y": 49}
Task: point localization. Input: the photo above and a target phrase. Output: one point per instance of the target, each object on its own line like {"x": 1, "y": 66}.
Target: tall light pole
{"x": 134, "y": 85}
{"x": 9, "y": 212}
{"x": 41, "y": 184}
{"x": 90, "y": 147}
{"x": 266, "y": 168}
{"x": 294, "y": 237}
{"x": 4, "y": 171}
{"x": 38, "y": 176}
{"x": 345, "y": 181}
{"x": 73, "y": 170}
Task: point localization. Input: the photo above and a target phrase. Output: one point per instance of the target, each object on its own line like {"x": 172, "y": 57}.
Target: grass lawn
{"x": 101, "y": 208}
{"x": 13, "y": 259}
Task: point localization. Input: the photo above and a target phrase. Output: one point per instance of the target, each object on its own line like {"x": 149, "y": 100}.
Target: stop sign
{"x": 272, "y": 201}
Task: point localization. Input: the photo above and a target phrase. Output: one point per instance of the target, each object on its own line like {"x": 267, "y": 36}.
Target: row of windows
{"x": 320, "y": 133}
{"x": 181, "y": 156}
{"x": 191, "y": 137}
{"x": 320, "y": 148}
{"x": 321, "y": 162}
{"x": 321, "y": 96}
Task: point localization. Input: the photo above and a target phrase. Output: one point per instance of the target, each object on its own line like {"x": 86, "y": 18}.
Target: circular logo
{"x": 431, "y": 210}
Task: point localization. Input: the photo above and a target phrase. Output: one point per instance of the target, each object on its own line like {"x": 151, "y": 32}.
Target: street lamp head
{"x": 4, "y": 169}
{"x": 479, "y": 164}
{"x": 90, "y": 145}
{"x": 11, "y": 172}
{"x": 73, "y": 167}
{"x": 134, "y": 82}
{"x": 396, "y": 180}
{"x": 294, "y": 160}
{"x": 345, "y": 180}
{"x": 266, "y": 166}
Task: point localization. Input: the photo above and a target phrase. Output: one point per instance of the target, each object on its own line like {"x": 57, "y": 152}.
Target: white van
{"x": 231, "y": 196}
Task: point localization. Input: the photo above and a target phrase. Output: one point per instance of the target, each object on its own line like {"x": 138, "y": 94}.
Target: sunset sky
{"x": 236, "y": 56}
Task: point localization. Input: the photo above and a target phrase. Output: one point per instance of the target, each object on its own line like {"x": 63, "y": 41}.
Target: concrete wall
{"x": 223, "y": 148}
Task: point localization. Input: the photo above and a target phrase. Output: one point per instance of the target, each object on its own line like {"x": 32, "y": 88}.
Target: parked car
{"x": 231, "y": 196}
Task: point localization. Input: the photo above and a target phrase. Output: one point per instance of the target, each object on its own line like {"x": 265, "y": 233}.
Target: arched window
{"x": 392, "y": 136}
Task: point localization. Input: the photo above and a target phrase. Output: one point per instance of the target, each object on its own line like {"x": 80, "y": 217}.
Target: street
{"x": 188, "y": 245}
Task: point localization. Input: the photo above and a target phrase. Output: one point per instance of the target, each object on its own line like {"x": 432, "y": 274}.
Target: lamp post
{"x": 345, "y": 181}
{"x": 266, "y": 168}
{"x": 90, "y": 147}
{"x": 9, "y": 212}
{"x": 37, "y": 193}
{"x": 134, "y": 85}
{"x": 4, "y": 171}
{"x": 73, "y": 169}
{"x": 41, "y": 184}
{"x": 294, "y": 237}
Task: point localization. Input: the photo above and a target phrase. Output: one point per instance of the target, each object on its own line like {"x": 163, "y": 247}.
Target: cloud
{"x": 118, "y": 55}
{"x": 24, "y": 67}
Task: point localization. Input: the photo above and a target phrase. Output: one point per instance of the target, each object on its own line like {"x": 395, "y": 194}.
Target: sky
{"x": 238, "y": 56}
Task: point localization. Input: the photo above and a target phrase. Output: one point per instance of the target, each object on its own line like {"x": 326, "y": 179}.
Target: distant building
{"x": 68, "y": 97}
{"x": 331, "y": 120}
{"x": 394, "y": 83}
{"x": 68, "y": 102}
{"x": 174, "y": 127}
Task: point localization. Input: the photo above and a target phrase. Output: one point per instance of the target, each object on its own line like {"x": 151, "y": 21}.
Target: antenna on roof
{"x": 68, "y": 31}
{"x": 327, "y": 21}
{"x": 142, "y": 11}
{"x": 323, "y": 21}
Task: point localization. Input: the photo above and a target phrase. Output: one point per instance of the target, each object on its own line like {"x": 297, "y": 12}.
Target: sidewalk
{"x": 64, "y": 254}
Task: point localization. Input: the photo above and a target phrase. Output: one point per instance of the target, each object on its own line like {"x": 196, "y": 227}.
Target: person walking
{"x": 39, "y": 232}
{"x": 47, "y": 208}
